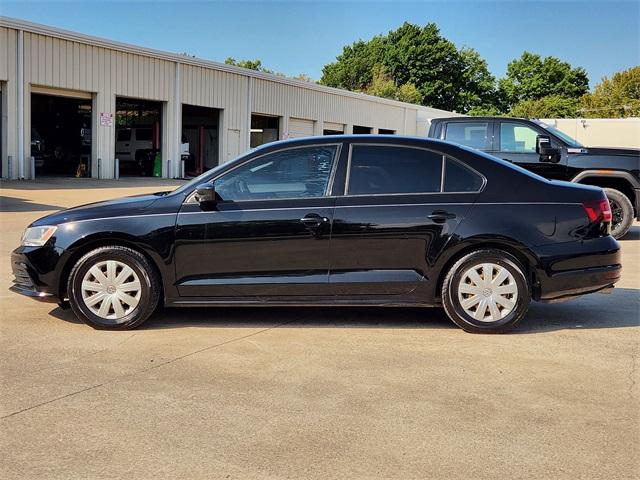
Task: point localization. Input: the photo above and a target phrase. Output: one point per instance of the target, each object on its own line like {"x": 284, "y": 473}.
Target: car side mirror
{"x": 545, "y": 150}
{"x": 206, "y": 196}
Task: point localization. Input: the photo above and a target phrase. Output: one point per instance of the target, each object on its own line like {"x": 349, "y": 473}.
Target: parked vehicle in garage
{"x": 553, "y": 154}
{"x": 134, "y": 147}
{"x": 339, "y": 220}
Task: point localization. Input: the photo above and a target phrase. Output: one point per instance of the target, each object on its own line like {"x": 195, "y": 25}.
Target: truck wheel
{"x": 486, "y": 291}
{"x": 622, "y": 212}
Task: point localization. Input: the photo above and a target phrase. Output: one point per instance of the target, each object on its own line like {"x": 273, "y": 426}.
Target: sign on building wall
{"x": 106, "y": 119}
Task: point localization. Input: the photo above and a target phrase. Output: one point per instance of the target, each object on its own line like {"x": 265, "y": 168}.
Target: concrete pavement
{"x": 312, "y": 393}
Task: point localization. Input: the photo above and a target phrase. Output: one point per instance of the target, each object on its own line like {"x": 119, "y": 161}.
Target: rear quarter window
{"x": 460, "y": 178}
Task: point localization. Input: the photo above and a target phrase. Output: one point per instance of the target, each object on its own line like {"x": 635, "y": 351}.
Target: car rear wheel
{"x": 113, "y": 288}
{"x": 486, "y": 291}
{"x": 621, "y": 212}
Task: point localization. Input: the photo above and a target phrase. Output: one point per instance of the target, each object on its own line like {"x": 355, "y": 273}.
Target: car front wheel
{"x": 486, "y": 291}
{"x": 113, "y": 288}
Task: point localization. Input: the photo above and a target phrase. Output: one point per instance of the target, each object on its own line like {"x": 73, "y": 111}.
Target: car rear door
{"x": 268, "y": 235}
{"x": 393, "y": 220}
{"x": 476, "y": 134}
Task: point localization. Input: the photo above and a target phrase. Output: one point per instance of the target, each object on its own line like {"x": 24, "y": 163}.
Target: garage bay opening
{"x": 61, "y": 135}
{"x": 139, "y": 137}
{"x": 200, "y": 139}
{"x": 264, "y": 129}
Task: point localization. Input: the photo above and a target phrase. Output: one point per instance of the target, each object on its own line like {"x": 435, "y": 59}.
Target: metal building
{"x": 71, "y": 104}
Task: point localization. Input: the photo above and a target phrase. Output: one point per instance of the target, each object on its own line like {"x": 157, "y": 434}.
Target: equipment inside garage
{"x": 264, "y": 129}
{"x": 139, "y": 137}
{"x": 199, "y": 138}
{"x": 61, "y": 135}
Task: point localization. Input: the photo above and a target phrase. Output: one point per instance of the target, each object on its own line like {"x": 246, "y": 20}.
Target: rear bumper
{"x": 577, "y": 268}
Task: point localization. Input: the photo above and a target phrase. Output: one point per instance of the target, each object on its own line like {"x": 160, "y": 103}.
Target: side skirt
{"x": 293, "y": 302}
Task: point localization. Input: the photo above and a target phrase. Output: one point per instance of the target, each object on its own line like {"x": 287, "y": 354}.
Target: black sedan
{"x": 340, "y": 220}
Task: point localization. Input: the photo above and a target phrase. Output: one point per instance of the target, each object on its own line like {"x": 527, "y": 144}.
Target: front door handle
{"x": 441, "y": 216}
{"x": 313, "y": 220}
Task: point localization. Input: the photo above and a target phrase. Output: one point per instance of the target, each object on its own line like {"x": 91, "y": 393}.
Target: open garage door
{"x": 299, "y": 127}
{"x": 139, "y": 137}
{"x": 331, "y": 128}
{"x": 200, "y": 138}
{"x": 264, "y": 129}
{"x": 61, "y": 134}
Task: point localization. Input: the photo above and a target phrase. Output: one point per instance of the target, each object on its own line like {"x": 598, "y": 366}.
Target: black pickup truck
{"x": 553, "y": 154}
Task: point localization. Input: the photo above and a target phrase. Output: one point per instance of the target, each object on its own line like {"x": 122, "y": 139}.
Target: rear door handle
{"x": 441, "y": 216}
{"x": 313, "y": 220}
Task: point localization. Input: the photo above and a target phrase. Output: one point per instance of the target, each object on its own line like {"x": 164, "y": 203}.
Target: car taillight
{"x": 598, "y": 210}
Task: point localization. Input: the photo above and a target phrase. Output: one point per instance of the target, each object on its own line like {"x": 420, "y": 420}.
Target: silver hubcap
{"x": 111, "y": 289}
{"x": 487, "y": 292}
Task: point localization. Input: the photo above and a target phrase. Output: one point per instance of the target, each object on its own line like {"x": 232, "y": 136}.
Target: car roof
{"x": 360, "y": 138}
{"x": 468, "y": 118}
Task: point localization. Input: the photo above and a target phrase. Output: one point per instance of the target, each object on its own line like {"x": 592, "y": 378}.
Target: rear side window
{"x": 470, "y": 134}
{"x": 460, "y": 178}
{"x": 143, "y": 134}
{"x": 124, "y": 135}
{"x": 379, "y": 169}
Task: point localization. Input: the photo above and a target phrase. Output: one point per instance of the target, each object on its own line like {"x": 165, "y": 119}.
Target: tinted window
{"x": 124, "y": 135}
{"x": 515, "y": 137}
{"x": 377, "y": 169}
{"x": 293, "y": 173}
{"x": 143, "y": 134}
{"x": 470, "y": 134}
{"x": 459, "y": 178}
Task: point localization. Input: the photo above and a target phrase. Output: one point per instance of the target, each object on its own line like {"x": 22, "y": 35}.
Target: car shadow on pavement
{"x": 618, "y": 310}
{"x": 15, "y": 204}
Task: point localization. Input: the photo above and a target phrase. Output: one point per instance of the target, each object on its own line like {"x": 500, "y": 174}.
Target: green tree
{"x": 250, "y": 64}
{"x": 531, "y": 77}
{"x": 382, "y": 85}
{"x": 443, "y": 76}
{"x": 615, "y": 97}
{"x": 551, "y": 106}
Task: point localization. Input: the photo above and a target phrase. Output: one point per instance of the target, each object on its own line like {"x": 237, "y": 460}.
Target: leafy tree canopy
{"x": 615, "y": 97}
{"x": 551, "y": 106}
{"x": 531, "y": 77}
{"x": 417, "y": 60}
{"x": 250, "y": 64}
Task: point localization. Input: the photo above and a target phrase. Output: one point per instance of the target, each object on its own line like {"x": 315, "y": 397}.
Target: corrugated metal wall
{"x": 65, "y": 60}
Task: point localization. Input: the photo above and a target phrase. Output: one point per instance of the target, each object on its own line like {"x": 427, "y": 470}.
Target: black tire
{"x": 622, "y": 211}
{"x": 149, "y": 294}
{"x": 451, "y": 297}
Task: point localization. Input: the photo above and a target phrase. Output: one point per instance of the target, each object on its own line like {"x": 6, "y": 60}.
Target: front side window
{"x": 293, "y": 173}
{"x": 379, "y": 169}
{"x": 517, "y": 138}
{"x": 469, "y": 134}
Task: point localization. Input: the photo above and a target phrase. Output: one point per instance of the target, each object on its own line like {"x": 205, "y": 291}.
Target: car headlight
{"x": 37, "y": 236}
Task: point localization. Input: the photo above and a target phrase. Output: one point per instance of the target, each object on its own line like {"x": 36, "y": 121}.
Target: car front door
{"x": 394, "y": 218}
{"x": 268, "y": 235}
{"x": 517, "y": 143}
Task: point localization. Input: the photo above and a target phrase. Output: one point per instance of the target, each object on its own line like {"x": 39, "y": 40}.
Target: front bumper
{"x": 577, "y": 268}
{"x": 34, "y": 273}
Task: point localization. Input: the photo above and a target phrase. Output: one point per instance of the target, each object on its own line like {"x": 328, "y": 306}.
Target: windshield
{"x": 570, "y": 141}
